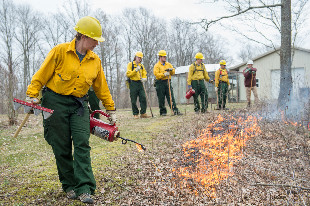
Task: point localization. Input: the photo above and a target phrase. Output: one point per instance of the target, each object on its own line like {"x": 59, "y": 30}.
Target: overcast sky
{"x": 167, "y": 9}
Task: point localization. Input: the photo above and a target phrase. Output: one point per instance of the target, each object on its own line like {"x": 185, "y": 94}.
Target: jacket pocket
{"x": 62, "y": 82}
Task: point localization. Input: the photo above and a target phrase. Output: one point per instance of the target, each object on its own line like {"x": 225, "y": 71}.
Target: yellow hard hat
{"x": 222, "y": 62}
{"x": 162, "y": 53}
{"x": 90, "y": 27}
{"x": 139, "y": 54}
{"x": 199, "y": 56}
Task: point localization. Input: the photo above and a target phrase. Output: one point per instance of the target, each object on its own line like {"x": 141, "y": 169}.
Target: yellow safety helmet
{"x": 199, "y": 56}
{"x": 222, "y": 62}
{"x": 90, "y": 27}
{"x": 139, "y": 54}
{"x": 162, "y": 53}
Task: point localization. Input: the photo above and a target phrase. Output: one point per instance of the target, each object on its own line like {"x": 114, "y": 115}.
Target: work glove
{"x": 189, "y": 87}
{"x": 166, "y": 74}
{"x": 138, "y": 68}
{"x": 143, "y": 79}
{"x": 216, "y": 89}
{"x": 112, "y": 117}
{"x": 210, "y": 81}
{"x": 32, "y": 100}
{"x": 170, "y": 69}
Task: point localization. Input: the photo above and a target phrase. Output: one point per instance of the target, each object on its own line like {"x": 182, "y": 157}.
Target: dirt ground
{"x": 273, "y": 171}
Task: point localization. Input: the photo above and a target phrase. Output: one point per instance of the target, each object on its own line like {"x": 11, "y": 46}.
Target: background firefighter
{"x": 68, "y": 72}
{"x": 196, "y": 76}
{"x": 249, "y": 74}
{"x": 163, "y": 71}
{"x": 221, "y": 85}
{"x": 136, "y": 74}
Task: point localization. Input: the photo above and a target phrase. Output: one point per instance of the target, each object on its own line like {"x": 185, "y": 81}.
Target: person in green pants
{"x": 196, "y": 76}
{"x": 136, "y": 75}
{"x": 221, "y": 85}
{"x": 67, "y": 72}
{"x": 163, "y": 71}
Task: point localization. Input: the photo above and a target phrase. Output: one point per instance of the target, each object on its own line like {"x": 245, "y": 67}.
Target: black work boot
{"x": 86, "y": 198}
{"x": 71, "y": 195}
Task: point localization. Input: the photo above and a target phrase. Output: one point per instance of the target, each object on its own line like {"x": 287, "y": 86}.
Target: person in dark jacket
{"x": 249, "y": 74}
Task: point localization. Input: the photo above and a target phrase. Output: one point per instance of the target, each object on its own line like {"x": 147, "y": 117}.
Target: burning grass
{"x": 208, "y": 160}
{"x": 269, "y": 167}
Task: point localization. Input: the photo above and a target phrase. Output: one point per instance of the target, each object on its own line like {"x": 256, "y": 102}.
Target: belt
{"x": 79, "y": 100}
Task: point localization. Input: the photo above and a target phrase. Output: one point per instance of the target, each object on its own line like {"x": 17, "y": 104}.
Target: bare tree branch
{"x": 208, "y": 24}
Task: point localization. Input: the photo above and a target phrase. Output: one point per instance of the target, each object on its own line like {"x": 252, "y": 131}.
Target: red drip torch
{"x": 107, "y": 131}
{"x": 189, "y": 93}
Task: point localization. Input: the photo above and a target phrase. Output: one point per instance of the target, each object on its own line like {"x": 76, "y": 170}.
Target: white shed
{"x": 268, "y": 74}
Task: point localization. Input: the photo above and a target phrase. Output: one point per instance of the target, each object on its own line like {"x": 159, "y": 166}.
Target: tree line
{"x": 28, "y": 35}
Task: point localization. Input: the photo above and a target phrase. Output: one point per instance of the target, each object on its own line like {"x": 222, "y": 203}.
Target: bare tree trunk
{"x": 285, "y": 55}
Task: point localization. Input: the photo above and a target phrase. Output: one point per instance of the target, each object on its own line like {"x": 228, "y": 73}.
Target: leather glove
{"x": 32, "y": 100}
{"x": 112, "y": 117}
{"x": 216, "y": 89}
{"x": 138, "y": 68}
{"x": 166, "y": 74}
{"x": 210, "y": 81}
{"x": 143, "y": 79}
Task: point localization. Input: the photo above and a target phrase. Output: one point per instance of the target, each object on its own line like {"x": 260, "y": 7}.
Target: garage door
{"x": 298, "y": 77}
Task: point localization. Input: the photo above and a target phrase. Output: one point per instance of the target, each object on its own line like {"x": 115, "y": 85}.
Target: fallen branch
{"x": 280, "y": 185}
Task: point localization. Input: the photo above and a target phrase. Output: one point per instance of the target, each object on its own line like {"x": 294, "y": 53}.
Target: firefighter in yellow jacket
{"x": 162, "y": 71}
{"x": 67, "y": 73}
{"x": 196, "y": 76}
{"x": 221, "y": 85}
{"x": 136, "y": 74}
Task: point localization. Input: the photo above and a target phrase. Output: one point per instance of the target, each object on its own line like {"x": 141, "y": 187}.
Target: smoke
{"x": 297, "y": 109}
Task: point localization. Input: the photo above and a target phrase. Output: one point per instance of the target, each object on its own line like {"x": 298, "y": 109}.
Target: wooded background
{"x": 28, "y": 35}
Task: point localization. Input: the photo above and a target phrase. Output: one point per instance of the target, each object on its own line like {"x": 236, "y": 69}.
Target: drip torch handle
{"x": 101, "y": 112}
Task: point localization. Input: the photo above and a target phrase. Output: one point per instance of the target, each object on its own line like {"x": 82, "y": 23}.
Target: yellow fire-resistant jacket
{"x": 197, "y": 72}
{"x": 132, "y": 74}
{"x": 63, "y": 73}
{"x": 160, "y": 69}
{"x": 221, "y": 75}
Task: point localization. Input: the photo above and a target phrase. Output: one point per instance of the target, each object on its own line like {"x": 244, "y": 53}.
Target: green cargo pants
{"x": 200, "y": 90}
{"x": 93, "y": 102}
{"x": 60, "y": 130}
{"x": 222, "y": 94}
{"x": 136, "y": 90}
{"x": 162, "y": 90}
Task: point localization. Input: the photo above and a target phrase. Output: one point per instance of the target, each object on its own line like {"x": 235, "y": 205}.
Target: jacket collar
{"x": 90, "y": 54}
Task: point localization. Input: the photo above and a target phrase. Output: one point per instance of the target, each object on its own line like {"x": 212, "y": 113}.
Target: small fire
{"x": 208, "y": 159}
{"x": 139, "y": 147}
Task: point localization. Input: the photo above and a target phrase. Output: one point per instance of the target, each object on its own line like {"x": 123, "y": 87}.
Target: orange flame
{"x": 139, "y": 147}
{"x": 208, "y": 160}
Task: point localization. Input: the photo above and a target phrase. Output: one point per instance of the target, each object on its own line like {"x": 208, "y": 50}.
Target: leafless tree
{"x": 281, "y": 20}
{"x": 7, "y": 32}
{"x": 26, "y": 36}
{"x": 250, "y": 51}
{"x": 183, "y": 39}
{"x": 147, "y": 33}
{"x": 212, "y": 48}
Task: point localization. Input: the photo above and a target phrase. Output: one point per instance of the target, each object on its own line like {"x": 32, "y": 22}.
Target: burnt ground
{"x": 273, "y": 171}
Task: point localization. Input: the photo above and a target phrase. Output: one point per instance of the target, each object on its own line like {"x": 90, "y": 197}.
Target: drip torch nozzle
{"x": 124, "y": 141}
